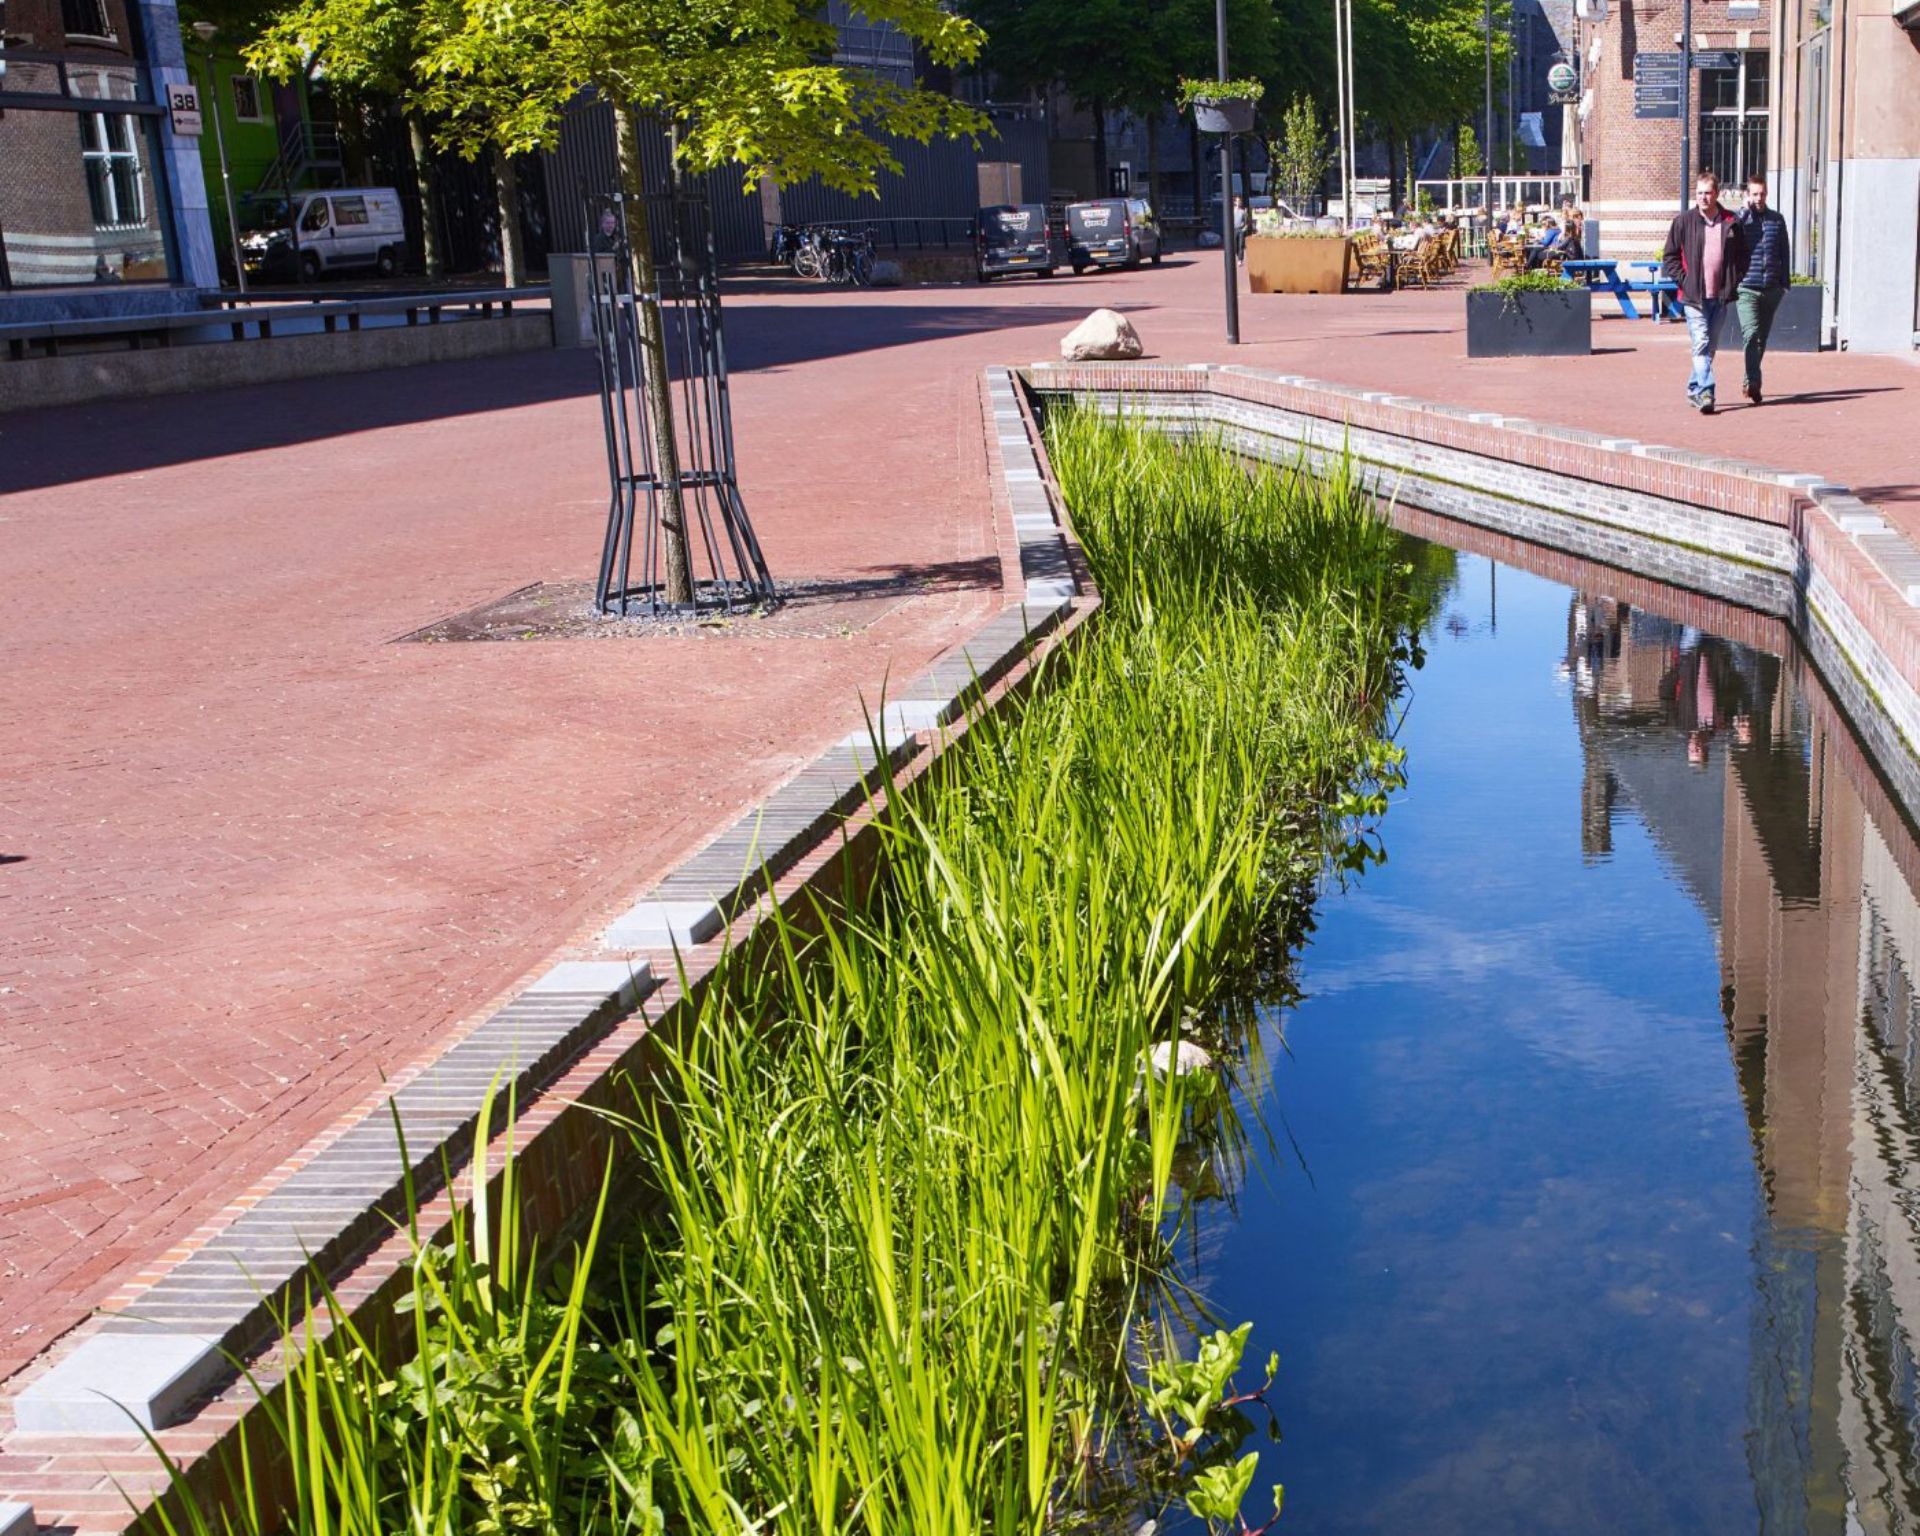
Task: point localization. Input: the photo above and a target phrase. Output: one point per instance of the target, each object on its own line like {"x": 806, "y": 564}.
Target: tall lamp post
{"x": 1227, "y": 229}
{"x": 1486, "y": 149}
{"x": 205, "y": 30}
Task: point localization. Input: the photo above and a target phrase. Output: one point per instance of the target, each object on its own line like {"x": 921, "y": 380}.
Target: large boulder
{"x": 887, "y": 274}
{"x": 1106, "y": 333}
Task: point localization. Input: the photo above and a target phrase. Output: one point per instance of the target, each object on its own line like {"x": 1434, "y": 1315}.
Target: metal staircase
{"x": 309, "y": 154}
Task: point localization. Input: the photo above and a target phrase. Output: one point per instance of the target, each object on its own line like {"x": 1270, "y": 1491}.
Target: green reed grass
{"x": 915, "y": 1186}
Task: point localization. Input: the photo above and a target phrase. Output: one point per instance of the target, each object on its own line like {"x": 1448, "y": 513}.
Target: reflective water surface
{"x": 1593, "y": 1206}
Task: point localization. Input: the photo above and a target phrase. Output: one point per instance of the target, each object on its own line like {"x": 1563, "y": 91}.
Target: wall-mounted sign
{"x": 1718, "y": 60}
{"x": 1656, "y": 85}
{"x": 1562, "y": 80}
{"x": 183, "y": 102}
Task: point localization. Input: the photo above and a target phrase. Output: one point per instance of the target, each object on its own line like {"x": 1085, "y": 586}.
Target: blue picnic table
{"x": 1605, "y": 273}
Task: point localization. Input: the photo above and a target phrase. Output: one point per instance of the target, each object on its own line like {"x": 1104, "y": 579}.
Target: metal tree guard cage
{"x": 685, "y": 304}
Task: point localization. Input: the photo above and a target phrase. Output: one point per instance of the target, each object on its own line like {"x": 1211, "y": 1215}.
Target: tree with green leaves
{"x": 748, "y": 83}
{"x": 1468, "y": 161}
{"x": 1300, "y": 154}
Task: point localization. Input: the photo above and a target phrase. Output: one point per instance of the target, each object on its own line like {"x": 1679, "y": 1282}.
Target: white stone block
{"x": 16, "y": 1519}
{"x": 617, "y": 981}
{"x": 663, "y": 925}
{"x": 909, "y": 717}
{"x": 112, "y": 1382}
{"x": 1050, "y": 589}
{"x": 1861, "y": 522}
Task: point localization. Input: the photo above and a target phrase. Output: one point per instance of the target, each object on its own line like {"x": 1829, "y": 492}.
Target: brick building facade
{"x": 102, "y": 208}
{"x": 1636, "y": 180}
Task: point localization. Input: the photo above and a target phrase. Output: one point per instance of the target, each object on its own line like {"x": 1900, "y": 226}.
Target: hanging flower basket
{"x": 1222, "y": 106}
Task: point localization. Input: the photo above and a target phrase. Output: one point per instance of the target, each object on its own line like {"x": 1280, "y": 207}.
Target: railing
{"x": 246, "y": 319}
{"x": 904, "y": 234}
{"x": 303, "y": 147}
{"x": 1466, "y": 193}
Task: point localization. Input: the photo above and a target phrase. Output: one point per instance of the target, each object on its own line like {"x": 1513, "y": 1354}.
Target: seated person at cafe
{"x": 1549, "y": 240}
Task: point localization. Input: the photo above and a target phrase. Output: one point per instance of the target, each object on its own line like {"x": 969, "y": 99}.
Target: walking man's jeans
{"x": 1702, "y": 321}
{"x": 1756, "y": 324}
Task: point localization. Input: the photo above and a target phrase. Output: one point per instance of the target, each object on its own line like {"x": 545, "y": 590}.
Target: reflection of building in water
{"x": 1750, "y": 800}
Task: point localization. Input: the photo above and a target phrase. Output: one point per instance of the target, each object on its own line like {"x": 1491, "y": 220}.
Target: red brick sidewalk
{"x": 258, "y": 854}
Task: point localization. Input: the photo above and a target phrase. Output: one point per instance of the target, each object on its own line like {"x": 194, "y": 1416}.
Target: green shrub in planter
{"x": 1221, "y": 106}
{"x": 1537, "y": 314}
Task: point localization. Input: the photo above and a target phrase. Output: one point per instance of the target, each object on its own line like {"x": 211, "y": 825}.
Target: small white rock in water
{"x": 887, "y": 274}
{"x": 1190, "y": 1058}
{"x": 1106, "y": 333}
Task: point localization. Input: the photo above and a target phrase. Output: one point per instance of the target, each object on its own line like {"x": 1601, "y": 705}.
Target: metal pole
{"x": 1486, "y": 149}
{"x": 1686, "y": 103}
{"x": 1340, "y": 78}
{"x": 1353, "y": 110}
{"x": 220, "y": 144}
{"x": 1227, "y": 230}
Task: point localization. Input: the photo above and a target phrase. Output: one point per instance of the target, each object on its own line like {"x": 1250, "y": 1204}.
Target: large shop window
{"x": 1733, "y": 119}
{"x": 78, "y": 200}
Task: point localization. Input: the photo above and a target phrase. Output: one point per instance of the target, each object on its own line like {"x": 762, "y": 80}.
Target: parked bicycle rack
{"x": 685, "y": 304}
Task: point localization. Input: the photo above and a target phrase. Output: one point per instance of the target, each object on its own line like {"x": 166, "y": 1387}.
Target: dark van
{"x": 1113, "y": 232}
{"x": 1013, "y": 238}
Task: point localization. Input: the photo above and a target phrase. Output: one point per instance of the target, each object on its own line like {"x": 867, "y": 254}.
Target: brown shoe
{"x": 1751, "y": 391}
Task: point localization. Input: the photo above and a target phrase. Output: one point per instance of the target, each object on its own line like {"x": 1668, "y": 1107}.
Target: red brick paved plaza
{"x": 256, "y": 854}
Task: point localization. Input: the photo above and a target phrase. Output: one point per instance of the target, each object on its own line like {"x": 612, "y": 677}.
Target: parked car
{"x": 1112, "y": 232}
{"x": 1015, "y": 238}
{"x": 325, "y": 232}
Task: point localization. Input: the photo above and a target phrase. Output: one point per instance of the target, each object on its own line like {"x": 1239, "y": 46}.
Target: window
{"x": 85, "y": 18}
{"x": 110, "y": 152}
{"x": 315, "y": 218}
{"x": 246, "y": 98}
{"x": 1733, "y": 118}
{"x": 348, "y": 211}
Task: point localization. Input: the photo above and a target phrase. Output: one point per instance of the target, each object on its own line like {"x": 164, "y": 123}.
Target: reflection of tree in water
{"x": 1712, "y": 746}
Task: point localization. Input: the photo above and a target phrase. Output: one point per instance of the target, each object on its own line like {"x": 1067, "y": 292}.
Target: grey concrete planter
{"x": 1796, "y": 323}
{"x": 1230, "y": 114}
{"x": 1530, "y": 324}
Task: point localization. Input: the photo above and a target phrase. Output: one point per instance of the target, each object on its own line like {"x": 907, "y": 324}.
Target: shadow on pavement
{"x": 766, "y": 336}
{"x": 64, "y": 444}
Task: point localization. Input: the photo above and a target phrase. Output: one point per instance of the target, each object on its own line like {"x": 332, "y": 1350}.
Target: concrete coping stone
{"x": 114, "y": 1380}
{"x": 1050, "y": 588}
{"x": 1858, "y": 523}
{"x": 16, "y": 1519}
{"x": 662, "y": 925}
{"x": 621, "y": 982}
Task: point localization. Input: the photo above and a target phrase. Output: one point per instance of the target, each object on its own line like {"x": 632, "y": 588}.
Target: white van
{"x": 328, "y": 232}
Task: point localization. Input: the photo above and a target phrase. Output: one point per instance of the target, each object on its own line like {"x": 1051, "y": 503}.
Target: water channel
{"x": 1592, "y": 1204}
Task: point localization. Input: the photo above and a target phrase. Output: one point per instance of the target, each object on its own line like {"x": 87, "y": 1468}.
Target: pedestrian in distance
{"x": 1240, "y": 220}
{"x": 1706, "y": 257}
{"x": 1769, "y": 265}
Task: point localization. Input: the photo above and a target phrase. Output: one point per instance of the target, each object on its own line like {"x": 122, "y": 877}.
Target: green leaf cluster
{"x": 742, "y": 82}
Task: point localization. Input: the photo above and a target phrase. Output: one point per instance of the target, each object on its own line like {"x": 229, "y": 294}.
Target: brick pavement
{"x": 261, "y": 855}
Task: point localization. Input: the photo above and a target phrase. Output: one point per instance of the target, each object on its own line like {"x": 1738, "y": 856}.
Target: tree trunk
{"x": 506, "y": 183}
{"x": 1099, "y": 148}
{"x": 1153, "y": 159}
{"x": 656, "y": 396}
{"x": 423, "y": 180}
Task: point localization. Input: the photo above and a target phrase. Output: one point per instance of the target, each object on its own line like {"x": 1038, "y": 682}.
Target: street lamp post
{"x": 1486, "y": 149}
{"x": 205, "y": 30}
{"x": 1227, "y": 229}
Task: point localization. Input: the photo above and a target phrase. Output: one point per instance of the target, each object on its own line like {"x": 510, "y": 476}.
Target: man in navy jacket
{"x": 1769, "y": 272}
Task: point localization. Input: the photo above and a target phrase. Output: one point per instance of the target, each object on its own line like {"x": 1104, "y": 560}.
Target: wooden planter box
{"x": 1796, "y": 323}
{"x": 1297, "y": 263}
{"x": 1530, "y": 324}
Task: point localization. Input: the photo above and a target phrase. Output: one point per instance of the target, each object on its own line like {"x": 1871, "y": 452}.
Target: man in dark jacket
{"x": 1769, "y": 265}
{"x": 1706, "y": 256}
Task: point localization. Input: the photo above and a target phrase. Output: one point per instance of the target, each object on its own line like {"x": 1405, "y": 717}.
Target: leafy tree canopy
{"x": 741, "y": 81}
